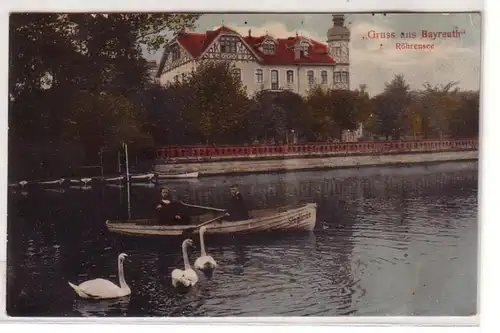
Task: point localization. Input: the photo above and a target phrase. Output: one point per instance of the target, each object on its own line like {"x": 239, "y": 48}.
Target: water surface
{"x": 388, "y": 241}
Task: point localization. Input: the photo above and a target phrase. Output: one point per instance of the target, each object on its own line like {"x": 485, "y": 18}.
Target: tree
{"x": 319, "y": 116}
{"x": 266, "y": 118}
{"x": 218, "y": 102}
{"x": 166, "y": 115}
{"x": 274, "y": 115}
{"x": 435, "y": 103}
{"x": 391, "y": 107}
{"x": 104, "y": 120}
{"x": 53, "y": 57}
{"x": 464, "y": 121}
{"x": 344, "y": 109}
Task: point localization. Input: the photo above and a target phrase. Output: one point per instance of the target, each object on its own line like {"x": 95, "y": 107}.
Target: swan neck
{"x": 185, "y": 257}
{"x": 121, "y": 277}
{"x": 202, "y": 243}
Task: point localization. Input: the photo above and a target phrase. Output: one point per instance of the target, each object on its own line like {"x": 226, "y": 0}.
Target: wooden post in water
{"x": 127, "y": 180}
{"x": 119, "y": 163}
{"x": 102, "y": 165}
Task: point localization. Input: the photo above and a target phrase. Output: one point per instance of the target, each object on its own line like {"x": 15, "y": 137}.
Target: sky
{"x": 374, "y": 62}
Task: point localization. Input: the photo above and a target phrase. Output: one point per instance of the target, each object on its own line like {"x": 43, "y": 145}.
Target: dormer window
{"x": 269, "y": 47}
{"x": 301, "y": 48}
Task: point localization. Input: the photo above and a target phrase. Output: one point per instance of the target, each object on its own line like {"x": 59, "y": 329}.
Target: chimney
{"x": 249, "y": 32}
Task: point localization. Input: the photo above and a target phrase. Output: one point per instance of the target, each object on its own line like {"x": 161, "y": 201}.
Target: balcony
{"x": 277, "y": 88}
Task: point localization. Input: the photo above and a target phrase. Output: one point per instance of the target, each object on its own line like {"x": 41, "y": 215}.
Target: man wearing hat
{"x": 171, "y": 211}
{"x": 237, "y": 208}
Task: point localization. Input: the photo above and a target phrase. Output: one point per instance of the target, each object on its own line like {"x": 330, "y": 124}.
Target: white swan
{"x": 188, "y": 276}
{"x": 104, "y": 289}
{"x": 204, "y": 261}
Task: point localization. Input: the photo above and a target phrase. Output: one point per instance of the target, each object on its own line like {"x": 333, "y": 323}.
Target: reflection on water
{"x": 101, "y": 308}
{"x": 389, "y": 241}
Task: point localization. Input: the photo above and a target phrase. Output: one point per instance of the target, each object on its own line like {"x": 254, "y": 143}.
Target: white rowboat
{"x": 53, "y": 182}
{"x": 148, "y": 176}
{"x": 285, "y": 219}
{"x": 114, "y": 179}
{"x": 179, "y": 175}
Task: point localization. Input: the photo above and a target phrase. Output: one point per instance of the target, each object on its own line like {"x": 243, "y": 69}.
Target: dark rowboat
{"x": 284, "y": 219}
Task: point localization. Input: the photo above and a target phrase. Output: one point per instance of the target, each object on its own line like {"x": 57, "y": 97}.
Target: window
{"x": 228, "y": 44}
{"x": 345, "y": 77}
{"x": 324, "y": 77}
{"x": 176, "y": 78}
{"x": 237, "y": 71}
{"x": 289, "y": 76}
{"x": 259, "y": 76}
{"x": 176, "y": 53}
{"x": 275, "y": 79}
{"x": 310, "y": 77}
{"x": 269, "y": 48}
{"x": 337, "y": 77}
{"x": 337, "y": 51}
{"x": 301, "y": 54}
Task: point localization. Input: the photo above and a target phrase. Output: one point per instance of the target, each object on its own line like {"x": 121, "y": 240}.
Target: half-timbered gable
{"x": 176, "y": 56}
{"x": 229, "y": 45}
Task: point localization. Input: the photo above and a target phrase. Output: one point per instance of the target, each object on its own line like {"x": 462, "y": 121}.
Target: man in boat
{"x": 237, "y": 208}
{"x": 170, "y": 211}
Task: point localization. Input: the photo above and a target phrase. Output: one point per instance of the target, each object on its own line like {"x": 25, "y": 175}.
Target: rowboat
{"x": 84, "y": 181}
{"x": 284, "y": 219}
{"x": 143, "y": 177}
{"x": 114, "y": 179}
{"x": 59, "y": 182}
{"x": 178, "y": 175}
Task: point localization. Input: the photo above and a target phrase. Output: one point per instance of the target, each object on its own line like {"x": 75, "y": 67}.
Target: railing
{"x": 313, "y": 149}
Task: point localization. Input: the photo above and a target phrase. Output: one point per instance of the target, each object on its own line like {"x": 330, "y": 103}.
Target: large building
{"x": 296, "y": 63}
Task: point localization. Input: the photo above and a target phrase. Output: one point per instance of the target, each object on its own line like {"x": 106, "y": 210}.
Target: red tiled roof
{"x": 318, "y": 52}
{"x": 196, "y": 43}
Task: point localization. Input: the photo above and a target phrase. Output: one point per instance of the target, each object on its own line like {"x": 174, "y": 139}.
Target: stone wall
{"x": 296, "y": 164}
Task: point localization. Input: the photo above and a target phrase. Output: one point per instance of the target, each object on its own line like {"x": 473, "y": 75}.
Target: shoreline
{"x": 284, "y": 165}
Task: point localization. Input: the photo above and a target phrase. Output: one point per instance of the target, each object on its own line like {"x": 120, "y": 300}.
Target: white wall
{"x": 300, "y": 83}
{"x": 168, "y": 77}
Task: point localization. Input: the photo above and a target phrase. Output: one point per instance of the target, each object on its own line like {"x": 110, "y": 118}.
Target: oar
{"x": 190, "y": 230}
{"x": 203, "y": 207}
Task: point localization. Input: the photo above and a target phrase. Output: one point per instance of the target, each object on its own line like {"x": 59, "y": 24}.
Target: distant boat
{"x": 114, "y": 179}
{"x": 59, "y": 182}
{"x": 81, "y": 181}
{"x": 144, "y": 177}
{"x": 147, "y": 177}
{"x": 284, "y": 219}
{"x": 178, "y": 175}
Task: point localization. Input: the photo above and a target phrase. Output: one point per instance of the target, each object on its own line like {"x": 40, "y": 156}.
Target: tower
{"x": 338, "y": 38}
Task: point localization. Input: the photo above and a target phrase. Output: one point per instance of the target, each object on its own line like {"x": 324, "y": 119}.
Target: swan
{"x": 205, "y": 261}
{"x": 188, "y": 276}
{"x": 104, "y": 289}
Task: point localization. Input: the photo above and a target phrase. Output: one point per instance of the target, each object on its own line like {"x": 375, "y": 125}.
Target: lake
{"x": 391, "y": 241}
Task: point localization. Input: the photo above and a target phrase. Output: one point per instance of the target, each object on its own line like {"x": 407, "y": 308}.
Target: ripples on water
{"x": 388, "y": 241}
